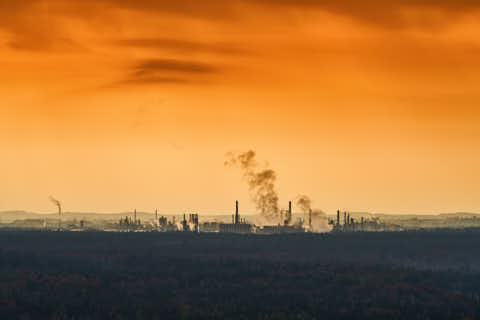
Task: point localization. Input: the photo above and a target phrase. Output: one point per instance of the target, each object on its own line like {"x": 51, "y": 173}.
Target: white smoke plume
{"x": 261, "y": 183}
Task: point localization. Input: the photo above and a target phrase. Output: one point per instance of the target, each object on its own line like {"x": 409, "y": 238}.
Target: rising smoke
{"x": 319, "y": 218}
{"x": 304, "y": 203}
{"x": 57, "y": 203}
{"x": 261, "y": 183}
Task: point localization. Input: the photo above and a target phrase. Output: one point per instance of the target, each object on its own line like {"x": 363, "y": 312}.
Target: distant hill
{"x": 10, "y": 216}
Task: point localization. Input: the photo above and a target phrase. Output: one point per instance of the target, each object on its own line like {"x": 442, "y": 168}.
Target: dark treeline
{"x": 100, "y": 275}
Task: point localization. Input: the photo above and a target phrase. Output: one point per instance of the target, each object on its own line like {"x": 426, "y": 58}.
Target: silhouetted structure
{"x": 210, "y": 227}
{"x": 185, "y": 224}
{"x": 365, "y": 225}
{"x": 310, "y": 219}
{"x": 287, "y": 227}
{"x": 58, "y": 204}
{"x": 238, "y": 225}
{"x": 193, "y": 222}
{"x": 237, "y": 215}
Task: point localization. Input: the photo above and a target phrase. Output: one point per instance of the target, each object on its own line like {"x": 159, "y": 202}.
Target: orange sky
{"x": 363, "y": 105}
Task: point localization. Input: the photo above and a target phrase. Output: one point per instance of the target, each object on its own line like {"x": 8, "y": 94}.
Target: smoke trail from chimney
{"x": 57, "y": 203}
{"x": 261, "y": 183}
{"x": 304, "y": 203}
{"x": 319, "y": 218}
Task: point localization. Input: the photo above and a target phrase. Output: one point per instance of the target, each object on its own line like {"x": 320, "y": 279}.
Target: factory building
{"x": 350, "y": 224}
{"x": 286, "y": 227}
{"x": 191, "y": 224}
{"x": 279, "y": 229}
{"x": 210, "y": 227}
{"x": 238, "y": 225}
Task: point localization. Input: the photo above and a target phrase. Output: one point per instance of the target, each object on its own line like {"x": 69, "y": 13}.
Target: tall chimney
{"x": 289, "y": 213}
{"x": 338, "y": 217}
{"x": 135, "y": 216}
{"x": 345, "y": 218}
{"x": 184, "y": 223}
{"x": 310, "y": 219}
{"x": 237, "y": 216}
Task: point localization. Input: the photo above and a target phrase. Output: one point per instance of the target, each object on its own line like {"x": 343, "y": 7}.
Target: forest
{"x": 101, "y": 275}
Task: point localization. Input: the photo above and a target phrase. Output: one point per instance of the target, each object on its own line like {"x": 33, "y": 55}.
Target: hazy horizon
{"x": 225, "y": 213}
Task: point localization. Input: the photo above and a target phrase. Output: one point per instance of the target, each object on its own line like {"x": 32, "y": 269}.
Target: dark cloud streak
{"x": 166, "y": 71}
{"x": 152, "y": 66}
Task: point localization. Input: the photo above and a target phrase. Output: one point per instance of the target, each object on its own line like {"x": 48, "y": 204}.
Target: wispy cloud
{"x": 39, "y": 25}
{"x": 180, "y": 45}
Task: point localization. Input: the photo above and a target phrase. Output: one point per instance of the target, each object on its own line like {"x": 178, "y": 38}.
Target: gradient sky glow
{"x": 364, "y": 105}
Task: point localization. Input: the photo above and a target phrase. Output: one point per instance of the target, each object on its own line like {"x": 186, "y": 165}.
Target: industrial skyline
{"x": 239, "y": 159}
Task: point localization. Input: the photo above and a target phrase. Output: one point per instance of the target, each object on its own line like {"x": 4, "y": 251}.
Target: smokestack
{"x": 310, "y": 219}
{"x": 184, "y": 223}
{"x": 345, "y": 218}
{"x": 156, "y": 215}
{"x": 288, "y": 218}
{"x": 59, "y": 206}
{"x": 197, "y": 227}
{"x": 338, "y": 217}
{"x": 237, "y": 216}
{"x": 135, "y": 216}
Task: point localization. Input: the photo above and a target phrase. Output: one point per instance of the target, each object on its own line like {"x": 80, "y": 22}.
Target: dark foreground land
{"x": 409, "y": 275}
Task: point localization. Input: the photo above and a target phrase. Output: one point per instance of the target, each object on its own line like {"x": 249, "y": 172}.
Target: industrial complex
{"x": 285, "y": 221}
{"x": 288, "y": 224}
